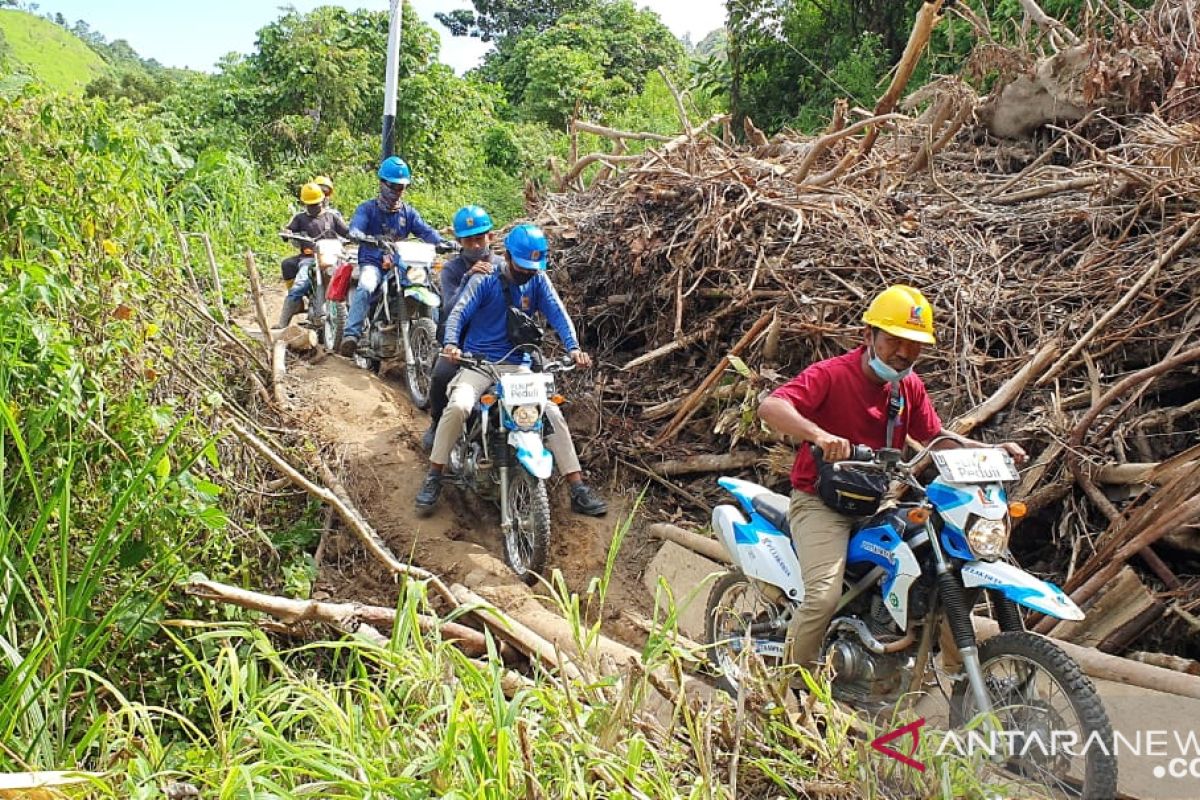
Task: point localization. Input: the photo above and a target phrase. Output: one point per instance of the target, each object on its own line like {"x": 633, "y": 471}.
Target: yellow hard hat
{"x": 311, "y": 194}
{"x": 902, "y": 311}
{"x": 323, "y": 180}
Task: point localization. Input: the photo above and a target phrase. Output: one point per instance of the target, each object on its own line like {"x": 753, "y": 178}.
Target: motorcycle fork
{"x": 502, "y": 462}
{"x": 952, "y": 596}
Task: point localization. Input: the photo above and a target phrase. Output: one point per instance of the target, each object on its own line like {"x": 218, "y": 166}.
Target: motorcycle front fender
{"x": 532, "y": 453}
{"x": 424, "y": 295}
{"x": 1019, "y": 586}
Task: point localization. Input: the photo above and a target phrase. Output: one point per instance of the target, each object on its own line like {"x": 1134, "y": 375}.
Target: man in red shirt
{"x": 834, "y": 405}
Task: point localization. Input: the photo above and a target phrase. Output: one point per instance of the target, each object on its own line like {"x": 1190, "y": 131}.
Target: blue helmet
{"x": 527, "y": 245}
{"x": 471, "y": 221}
{"x": 394, "y": 170}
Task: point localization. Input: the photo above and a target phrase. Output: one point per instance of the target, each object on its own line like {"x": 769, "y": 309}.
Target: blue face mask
{"x": 885, "y": 372}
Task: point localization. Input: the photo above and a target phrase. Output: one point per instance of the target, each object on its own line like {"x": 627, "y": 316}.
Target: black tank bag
{"x": 855, "y": 491}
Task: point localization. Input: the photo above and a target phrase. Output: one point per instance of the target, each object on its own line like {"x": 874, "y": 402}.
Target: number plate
{"x": 975, "y": 465}
{"x": 522, "y": 389}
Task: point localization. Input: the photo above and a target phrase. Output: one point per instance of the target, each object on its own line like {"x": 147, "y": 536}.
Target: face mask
{"x": 389, "y": 198}
{"x": 473, "y": 254}
{"x": 885, "y": 372}
{"x": 521, "y": 277}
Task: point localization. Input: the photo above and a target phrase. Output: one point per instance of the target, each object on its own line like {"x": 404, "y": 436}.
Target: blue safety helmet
{"x": 394, "y": 170}
{"x": 527, "y": 245}
{"x": 471, "y": 221}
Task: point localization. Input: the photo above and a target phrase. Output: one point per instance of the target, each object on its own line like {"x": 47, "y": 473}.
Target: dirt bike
{"x": 324, "y": 256}
{"x": 500, "y": 456}
{"x": 402, "y": 318}
{"x": 911, "y": 568}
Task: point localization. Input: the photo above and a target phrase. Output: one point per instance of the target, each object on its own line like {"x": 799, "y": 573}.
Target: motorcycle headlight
{"x": 526, "y": 416}
{"x": 416, "y": 274}
{"x": 988, "y": 538}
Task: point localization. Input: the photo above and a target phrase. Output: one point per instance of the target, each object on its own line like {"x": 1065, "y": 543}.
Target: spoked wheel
{"x": 739, "y": 611}
{"x": 528, "y": 539}
{"x": 1036, "y": 691}
{"x": 423, "y": 339}
{"x": 335, "y": 320}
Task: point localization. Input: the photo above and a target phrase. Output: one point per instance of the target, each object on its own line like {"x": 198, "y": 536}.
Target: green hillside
{"x": 40, "y": 49}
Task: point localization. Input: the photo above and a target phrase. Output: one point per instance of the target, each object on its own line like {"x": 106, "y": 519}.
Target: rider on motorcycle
{"x": 479, "y": 324}
{"x": 315, "y": 222}
{"x": 833, "y": 405}
{"x": 473, "y": 229}
{"x": 326, "y": 184}
{"x": 384, "y": 215}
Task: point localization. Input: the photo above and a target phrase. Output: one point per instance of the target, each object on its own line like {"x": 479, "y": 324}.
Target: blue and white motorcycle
{"x": 911, "y": 568}
{"x": 501, "y": 456}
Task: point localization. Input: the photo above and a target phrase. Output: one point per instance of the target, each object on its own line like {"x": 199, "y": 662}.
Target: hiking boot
{"x": 427, "y": 439}
{"x": 584, "y": 500}
{"x": 348, "y": 346}
{"x": 428, "y": 496}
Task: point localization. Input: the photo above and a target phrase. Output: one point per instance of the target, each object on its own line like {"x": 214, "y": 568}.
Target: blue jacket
{"x": 371, "y": 220}
{"x": 482, "y": 311}
{"x": 454, "y": 279}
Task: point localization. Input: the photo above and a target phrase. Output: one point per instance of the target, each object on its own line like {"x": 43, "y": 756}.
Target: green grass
{"x": 46, "y": 52}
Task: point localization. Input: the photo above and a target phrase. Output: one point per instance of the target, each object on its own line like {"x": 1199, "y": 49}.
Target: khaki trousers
{"x": 821, "y": 536}
{"x": 465, "y": 390}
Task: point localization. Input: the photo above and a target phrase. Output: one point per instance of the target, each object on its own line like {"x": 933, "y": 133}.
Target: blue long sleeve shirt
{"x": 370, "y": 220}
{"x": 454, "y": 279}
{"x": 482, "y": 312}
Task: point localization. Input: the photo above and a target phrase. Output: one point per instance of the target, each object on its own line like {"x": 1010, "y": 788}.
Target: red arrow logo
{"x": 913, "y": 729}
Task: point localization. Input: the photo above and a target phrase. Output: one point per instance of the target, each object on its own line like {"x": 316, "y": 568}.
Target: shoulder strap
{"x": 895, "y": 403}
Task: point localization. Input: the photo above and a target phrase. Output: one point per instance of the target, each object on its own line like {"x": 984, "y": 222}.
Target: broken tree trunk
{"x": 703, "y": 545}
{"x": 1120, "y": 602}
{"x": 721, "y": 462}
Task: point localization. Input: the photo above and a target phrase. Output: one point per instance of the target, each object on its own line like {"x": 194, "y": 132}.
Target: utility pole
{"x": 393, "y": 70}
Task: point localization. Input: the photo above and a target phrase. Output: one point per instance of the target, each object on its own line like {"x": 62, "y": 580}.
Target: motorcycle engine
{"x": 864, "y": 677}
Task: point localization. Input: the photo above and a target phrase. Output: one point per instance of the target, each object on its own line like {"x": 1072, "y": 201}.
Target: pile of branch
{"x": 1062, "y": 271}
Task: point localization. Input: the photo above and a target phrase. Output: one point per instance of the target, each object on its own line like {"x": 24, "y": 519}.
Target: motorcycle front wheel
{"x": 422, "y": 338}
{"x": 527, "y": 542}
{"x": 736, "y": 603}
{"x": 1038, "y": 690}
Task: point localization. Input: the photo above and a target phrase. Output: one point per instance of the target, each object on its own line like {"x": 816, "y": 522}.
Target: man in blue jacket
{"x": 479, "y": 324}
{"x": 385, "y": 215}
{"x": 473, "y": 230}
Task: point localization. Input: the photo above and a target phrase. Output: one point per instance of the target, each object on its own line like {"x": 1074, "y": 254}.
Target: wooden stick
{"x": 1046, "y": 22}
{"x": 702, "y": 545}
{"x": 707, "y": 462}
{"x": 918, "y": 38}
{"x": 1135, "y": 473}
{"x": 260, "y": 311}
{"x": 612, "y": 133}
{"x": 1166, "y": 258}
{"x": 692, "y": 404}
{"x": 1009, "y": 391}
{"x": 1033, "y": 193}
{"x": 216, "y": 275}
{"x": 278, "y": 370}
{"x": 821, "y": 145}
{"x": 342, "y": 615}
{"x": 355, "y": 521}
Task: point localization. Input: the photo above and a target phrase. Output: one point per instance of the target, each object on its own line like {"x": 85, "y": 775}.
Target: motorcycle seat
{"x": 774, "y": 509}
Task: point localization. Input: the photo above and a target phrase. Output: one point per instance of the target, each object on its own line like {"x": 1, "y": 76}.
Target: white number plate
{"x": 975, "y": 465}
{"x": 522, "y": 389}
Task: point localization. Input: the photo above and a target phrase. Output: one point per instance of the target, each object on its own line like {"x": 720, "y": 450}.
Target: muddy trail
{"x": 370, "y": 432}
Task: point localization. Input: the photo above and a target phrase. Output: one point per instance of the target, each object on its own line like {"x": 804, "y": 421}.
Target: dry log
{"x": 299, "y": 340}
{"x": 1113, "y": 668}
{"x": 697, "y": 396}
{"x": 1166, "y": 661}
{"x": 1009, "y": 391}
{"x": 523, "y": 638}
{"x": 1135, "y": 473}
{"x": 609, "y": 159}
{"x": 1035, "y": 192}
{"x": 342, "y": 615}
{"x": 612, "y": 133}
{"x": 705, "y": 546}
{"x": 278, "y": 370}
{"x": 719, "y": 462}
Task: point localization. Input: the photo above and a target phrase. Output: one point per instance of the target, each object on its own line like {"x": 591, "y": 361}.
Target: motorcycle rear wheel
{"x": 527, "y": 543}
{"x": 1035, "y": 687}
{"x": 335, "y": 321}
{"x": 734, "y": 604}
{"x": 422, "y": 335}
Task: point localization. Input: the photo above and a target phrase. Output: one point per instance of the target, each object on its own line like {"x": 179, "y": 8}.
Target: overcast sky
{"x": 195, "y": 33}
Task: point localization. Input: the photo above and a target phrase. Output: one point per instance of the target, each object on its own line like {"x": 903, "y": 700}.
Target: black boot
{"x": 428, "y": 496}
{"x": 584, "y": 500}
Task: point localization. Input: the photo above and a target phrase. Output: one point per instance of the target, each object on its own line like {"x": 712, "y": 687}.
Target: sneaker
{"x": 427, "y": 439}
{"x": 349, "y": 345}
{"x": 584, "y": 500}
{"x": 428, "y": 496}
